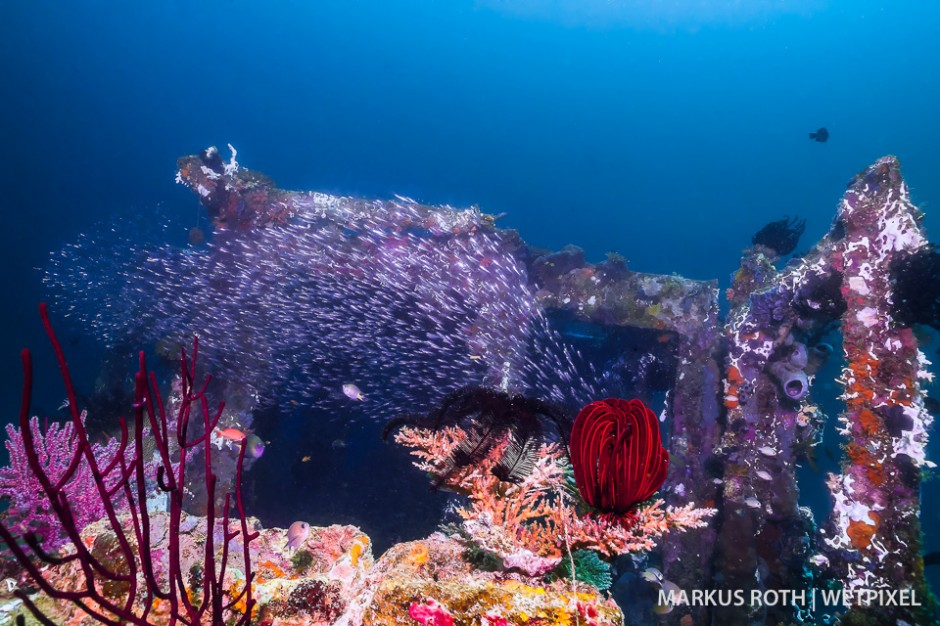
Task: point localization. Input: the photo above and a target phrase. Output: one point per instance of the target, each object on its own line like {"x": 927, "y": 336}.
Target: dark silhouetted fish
{"x": 821, "y": 135}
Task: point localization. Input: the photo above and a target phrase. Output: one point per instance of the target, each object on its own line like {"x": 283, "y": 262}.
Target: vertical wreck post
{"x": 873, "y": 538}
{"x": 770, "y": 416}
{"x": 694, "y": 412}
{"x": 875, "y": 521}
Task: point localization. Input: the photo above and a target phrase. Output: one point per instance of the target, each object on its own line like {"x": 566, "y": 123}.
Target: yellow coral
{"x": 418, "y": 555}
{"x": 355, "y": 552}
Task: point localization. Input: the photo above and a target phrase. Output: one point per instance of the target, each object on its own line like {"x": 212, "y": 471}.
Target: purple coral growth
{"x": 55, "y": 447}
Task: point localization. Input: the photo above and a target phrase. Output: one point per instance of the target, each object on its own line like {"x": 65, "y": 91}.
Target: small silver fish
{"x": 353, "y": 392}
{"x": 653, "y": 575}
{"x": 767, "y": 451}
{"x": 297, "y": 534}
{"x": 754, "y": 503}
{"x": 764, "y": 474}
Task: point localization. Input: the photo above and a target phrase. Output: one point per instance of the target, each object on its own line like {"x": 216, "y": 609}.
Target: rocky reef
{"x": 333, "y": 578}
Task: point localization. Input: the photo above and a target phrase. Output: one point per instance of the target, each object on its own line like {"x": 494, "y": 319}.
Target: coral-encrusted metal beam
{"x": 876, "y": 514}
{"x": 773, "y": 331}
{"x": 769, "y": 419}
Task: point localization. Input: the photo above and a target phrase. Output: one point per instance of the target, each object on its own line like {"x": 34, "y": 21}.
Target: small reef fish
{"x": 305, "y": 459}
{"x": 255, "y": 447}
{"x": 754, "y": 503}
{"x": 669, "y": 588}
{"x": 764, "y": 474}
{"x": 64, "y": 405}
{"x": 337, "y": 444}
{"x": 297, "y": 534}
{"x": 232, "y": 434}
{"x": 821, "y": 135}
{"x": 353, "y": 392}
{"x": 653, "y": 575}
{"x": 767, "y": 451}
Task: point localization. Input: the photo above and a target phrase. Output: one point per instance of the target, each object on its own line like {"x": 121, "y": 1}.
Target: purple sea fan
{"x": 29, "y": 509}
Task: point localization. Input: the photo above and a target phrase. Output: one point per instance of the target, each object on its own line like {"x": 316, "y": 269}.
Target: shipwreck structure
{"x": 740, "y": 405}
{"x": 418, "y": 292}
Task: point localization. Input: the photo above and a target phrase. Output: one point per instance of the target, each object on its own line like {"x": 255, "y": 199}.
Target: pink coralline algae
{"x": 495, "y": 620}
{"x": 55, "y": 446}
{"x": 430, "y": 613}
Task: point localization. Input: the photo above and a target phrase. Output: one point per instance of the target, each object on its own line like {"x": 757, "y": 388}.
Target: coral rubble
{"x": 339, "y": 582}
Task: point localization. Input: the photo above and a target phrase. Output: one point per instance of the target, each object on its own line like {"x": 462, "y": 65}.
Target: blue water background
{"x": 669, "y": 134}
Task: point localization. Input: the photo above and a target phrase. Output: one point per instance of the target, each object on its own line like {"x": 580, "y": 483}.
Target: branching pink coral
{"x": 29, "y": 509}
{"x": 536, "y": 521}
{"x": 433, "y": 448}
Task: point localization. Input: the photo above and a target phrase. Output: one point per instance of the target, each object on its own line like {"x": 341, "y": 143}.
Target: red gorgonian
{"x": 617, "y": 454}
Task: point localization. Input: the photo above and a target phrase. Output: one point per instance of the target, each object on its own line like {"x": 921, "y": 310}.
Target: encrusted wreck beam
{"x": 242, "y": 199}
{"x": 769, "y": 419}
{"x": 876, "y": 513}
{"x": 773, "y": 330}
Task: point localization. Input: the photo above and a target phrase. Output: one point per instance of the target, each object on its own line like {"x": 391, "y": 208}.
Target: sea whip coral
{"x": 121, "y": 490}
{"x": 617, "y": 455}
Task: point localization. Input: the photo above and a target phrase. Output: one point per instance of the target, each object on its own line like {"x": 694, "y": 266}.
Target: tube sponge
{"x": 790, "y": 372}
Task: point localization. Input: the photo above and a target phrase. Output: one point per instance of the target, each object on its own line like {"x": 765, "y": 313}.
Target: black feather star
{"x": 780, "y": 236}
{"x": 489, "y": 417}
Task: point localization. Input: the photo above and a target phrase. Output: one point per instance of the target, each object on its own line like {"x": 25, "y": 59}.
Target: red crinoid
{"x": 617, "y": 455}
